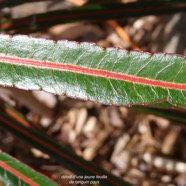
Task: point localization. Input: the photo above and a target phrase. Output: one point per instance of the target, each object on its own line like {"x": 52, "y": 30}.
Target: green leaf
{"x": 89, "y": 72}
{"x": 10, "y": 3}
{"x": 60, "y": 152}
{"x": 14, "y": 173}
{"x": 175, "y": 115}
{"x": 94, "y": 12}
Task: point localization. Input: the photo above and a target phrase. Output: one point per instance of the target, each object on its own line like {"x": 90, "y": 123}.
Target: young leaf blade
{"x": 61, "y": 153}
{"x": 13, "y": 172}
{"x": 10, "y": 3}
{"x": 94, "y": 12}
{"x": 89, "y": 72}
{"x": 174, "y": 115}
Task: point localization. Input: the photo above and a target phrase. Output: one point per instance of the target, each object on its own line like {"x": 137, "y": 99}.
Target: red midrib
{"x": 17, "y": 174}
{"x": 96, "y": 13}
{"x": 91, "y": 71}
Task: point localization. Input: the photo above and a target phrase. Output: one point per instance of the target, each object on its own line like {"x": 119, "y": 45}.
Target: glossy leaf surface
{"x": 15, "y": 173}
{"x": 89, "y": 72}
